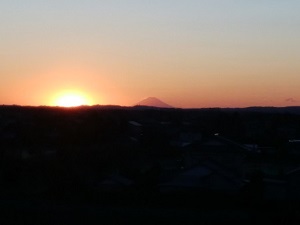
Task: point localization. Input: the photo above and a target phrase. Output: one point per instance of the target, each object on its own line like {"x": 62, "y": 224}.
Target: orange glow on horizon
{"x": 71, "y": 99}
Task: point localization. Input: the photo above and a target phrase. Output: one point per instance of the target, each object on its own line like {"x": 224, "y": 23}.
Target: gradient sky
{"x": 191, "y": 53}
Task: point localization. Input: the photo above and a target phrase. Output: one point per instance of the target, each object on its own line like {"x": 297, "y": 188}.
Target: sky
{"x": 190, "y": 54}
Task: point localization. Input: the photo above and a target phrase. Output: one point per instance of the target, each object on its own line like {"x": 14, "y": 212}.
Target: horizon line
{"x": 147, "y": 106}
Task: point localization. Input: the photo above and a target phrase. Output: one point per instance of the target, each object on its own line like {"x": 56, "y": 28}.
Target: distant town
{"x": 234, "y": 165}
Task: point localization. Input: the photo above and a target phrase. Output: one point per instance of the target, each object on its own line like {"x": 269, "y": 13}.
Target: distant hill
{"x": 274, "y": 110}
{"x": 153, "y": 102}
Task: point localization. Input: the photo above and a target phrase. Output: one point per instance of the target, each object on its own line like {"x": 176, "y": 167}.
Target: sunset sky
{"x": 188, "y": 53}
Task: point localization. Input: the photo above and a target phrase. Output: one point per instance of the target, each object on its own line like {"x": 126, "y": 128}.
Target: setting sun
{"x": 71, "y": 100}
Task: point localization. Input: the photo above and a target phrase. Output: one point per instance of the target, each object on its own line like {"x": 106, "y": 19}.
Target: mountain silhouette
{"x": 153, "y": 102}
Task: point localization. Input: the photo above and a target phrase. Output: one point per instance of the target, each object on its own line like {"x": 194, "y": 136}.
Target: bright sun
{"x": 71, "y": 100}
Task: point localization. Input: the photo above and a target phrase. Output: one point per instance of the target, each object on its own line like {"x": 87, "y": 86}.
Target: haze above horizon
{"x": 190, "y": 54}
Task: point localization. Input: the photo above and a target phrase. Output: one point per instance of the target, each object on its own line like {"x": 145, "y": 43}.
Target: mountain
{"x": 153, "y": 102}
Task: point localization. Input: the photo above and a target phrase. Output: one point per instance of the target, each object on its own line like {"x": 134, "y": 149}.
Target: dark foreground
{"x": 114, "y": 165}
{"x": 173, "y": 208}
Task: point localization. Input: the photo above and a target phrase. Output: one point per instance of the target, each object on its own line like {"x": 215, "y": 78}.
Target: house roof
{"x": 134, "y": 123}
{"x": 294, "y": 171}
{"x": 196, "y": 178}
{"x": 190, "y": 178}
{"x": 219, "y": 141}
{"x": 233, "y": 143}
